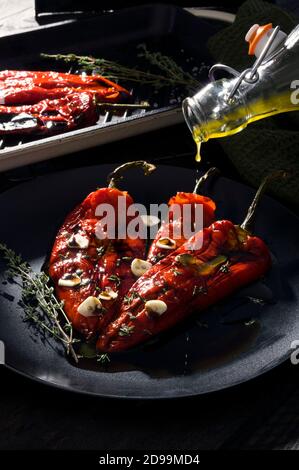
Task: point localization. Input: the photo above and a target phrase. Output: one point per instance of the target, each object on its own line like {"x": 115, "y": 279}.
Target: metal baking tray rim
{"x": 88, "y": 137}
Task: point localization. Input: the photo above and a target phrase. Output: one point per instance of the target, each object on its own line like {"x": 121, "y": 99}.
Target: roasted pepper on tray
{"x": 52, "y": 102}
{"x": 189, "y": 280}
{"x": 166, "y": 239}
{"x": 25, "y": 87}
{"x": 92, "y": 275}
{"x": 50, "y": 115}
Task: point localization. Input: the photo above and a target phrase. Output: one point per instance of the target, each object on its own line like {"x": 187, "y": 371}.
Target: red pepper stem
{"x": 211, "y": 172}
{"x": 251, "y": 214}
{"x": 116, "y": 175}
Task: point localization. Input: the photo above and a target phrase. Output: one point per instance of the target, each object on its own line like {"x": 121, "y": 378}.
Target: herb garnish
{"x": 176, "y": 272}
{"x": 134, "y": 295}
{"x": 199, "y": 290}
{"x": 115, "y": 279}
{"x": 39, "y": 302}
{"x": 103, "y": 359}
{"x": 131, "y": 316}
{"x": 224, "y": 268}
{"x": 157, "y": 258}
{"x": 100, "y": 251}
{"x": 62, "y": 256}
{"x": 171, "y": 74}
{"x": 125, "y": 330}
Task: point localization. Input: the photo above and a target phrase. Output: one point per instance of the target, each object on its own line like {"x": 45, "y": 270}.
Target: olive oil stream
{"x": 236, "y": 120}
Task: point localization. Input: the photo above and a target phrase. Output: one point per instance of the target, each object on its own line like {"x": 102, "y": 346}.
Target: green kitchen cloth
{"x": 271, "y": 143}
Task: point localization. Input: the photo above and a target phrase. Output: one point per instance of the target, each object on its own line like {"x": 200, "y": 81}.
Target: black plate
{"x": 224, "y": 349}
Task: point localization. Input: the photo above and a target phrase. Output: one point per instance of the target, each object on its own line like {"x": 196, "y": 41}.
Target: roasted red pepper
{"x": 17, "y": 88}
{"x": 166, "y": 238}
{"x": 51, "y": 102}
{"x": 49, "y": 116}
{"x": 83, "y": 267}
{"x": 189, "y": 280}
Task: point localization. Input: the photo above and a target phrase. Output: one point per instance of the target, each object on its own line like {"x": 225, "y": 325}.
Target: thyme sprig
{"x": 39, "y": 302}
{"x": 175, "y": 73}
{"x": 172, "y": 74}
{"x": 103, "y": 359}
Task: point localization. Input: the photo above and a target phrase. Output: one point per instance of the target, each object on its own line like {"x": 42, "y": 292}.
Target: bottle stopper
{"x": 258, "y": 36}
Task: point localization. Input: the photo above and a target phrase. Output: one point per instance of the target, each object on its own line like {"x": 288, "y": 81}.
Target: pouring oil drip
{"x": 198, "y": 147}
{"x": 225, "y": 107}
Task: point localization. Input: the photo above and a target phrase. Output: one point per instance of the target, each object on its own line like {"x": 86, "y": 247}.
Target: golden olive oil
{"x": 239, "y": 117}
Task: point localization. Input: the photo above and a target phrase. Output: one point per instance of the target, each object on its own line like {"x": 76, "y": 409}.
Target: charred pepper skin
{"x": 187, "y": 281}
{"x": 25, "y": 87}
{"x": 51, "y": 102}
{"x": 51, "y": 115}
{"x": 102, "y": 265}
{"x": 175, "y": 225}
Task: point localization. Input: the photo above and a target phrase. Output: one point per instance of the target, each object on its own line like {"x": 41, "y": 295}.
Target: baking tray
{"x": 165, "y": 28}
{"x": 58, "y": 10}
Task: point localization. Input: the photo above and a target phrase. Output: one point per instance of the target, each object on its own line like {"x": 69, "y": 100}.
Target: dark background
{"x": 262, "y": 414}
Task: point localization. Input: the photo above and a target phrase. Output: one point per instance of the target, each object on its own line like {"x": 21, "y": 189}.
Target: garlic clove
{"x": 166, "y": 243}
{"x": 140, "y": 266}
{"x": 89, "y": 307}
{"x": 78, "y": 241}
{"x": 108, "y": 294}
{"x": 70, "y": 280}
{"x": 156, "y": 306}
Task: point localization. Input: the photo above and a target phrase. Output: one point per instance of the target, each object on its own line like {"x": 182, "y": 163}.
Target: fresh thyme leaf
{"x": 176, "y": 272}
{"x": 39, "y": 302}
{"x": 134, "y": 295}
{"x": 199, "y": 290}
{"x": 125, "y": 330}
{"x": 171, "y": 74}
{"x": 103, "y": 359}
{"x": 202, "y": 324}
{"x": 139, "y": 296}
{"x": 62, "y": 256}
{"x": 171, "y": 69}
{"x": 148, "y": 332}
{"x": 115, "y": 279}
{"x": 255, "y": 300}
{"x": 131, "y": 316}
{"x": 224, "y": 268}
{"x": 100, "y": 251}
{"x": 158, "y": 257}
{"x": 129, "y": 298}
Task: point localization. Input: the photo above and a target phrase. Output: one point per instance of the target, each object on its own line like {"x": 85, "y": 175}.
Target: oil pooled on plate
{"x": 205, "y": 341}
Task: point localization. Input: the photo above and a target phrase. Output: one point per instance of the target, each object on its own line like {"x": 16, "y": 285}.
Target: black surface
{"x": 261, "y": 414}
{"x": 63, "y": 9}
{"x": 224, "y": 354}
